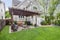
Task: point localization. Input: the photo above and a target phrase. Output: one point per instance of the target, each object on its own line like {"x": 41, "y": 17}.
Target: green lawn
{"x": 47, "y": 33}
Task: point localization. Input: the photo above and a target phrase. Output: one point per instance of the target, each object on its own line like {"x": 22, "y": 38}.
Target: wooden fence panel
{"x": 2, "y": 24}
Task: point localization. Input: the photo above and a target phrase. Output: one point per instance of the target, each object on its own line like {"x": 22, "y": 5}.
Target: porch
{"x": 29, "y": 18}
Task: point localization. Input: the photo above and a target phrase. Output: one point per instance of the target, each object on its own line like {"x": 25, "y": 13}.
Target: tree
{"x": 50, "y": 6}
{"x": 7, "y": 15}
{"x": 58, "y": 16}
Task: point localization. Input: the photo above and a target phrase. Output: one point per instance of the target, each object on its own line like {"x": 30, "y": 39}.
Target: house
{"x": 2, "y": 15}
{"x": 2, "y": 10}
{"x": 31, "y": 5}
{"x": 26, "y": 10}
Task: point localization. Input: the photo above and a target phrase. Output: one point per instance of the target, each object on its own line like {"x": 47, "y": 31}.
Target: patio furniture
{"x": 14, "y": 27}
{"x": 20, "y": 23}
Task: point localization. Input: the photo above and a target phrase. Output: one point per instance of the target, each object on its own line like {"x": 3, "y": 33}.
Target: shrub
{"x": 57, "y": 22}
{"x": 28, "y": 23}
{"x": 15, "y": 22}
{"x": 7, "y": 22}
{"x": 43, "y": 23}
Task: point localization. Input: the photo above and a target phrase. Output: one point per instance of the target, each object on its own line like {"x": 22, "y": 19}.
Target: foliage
{"x": 43, "y": 23}
{"x": 28, "y": 23}
{"x": 51, "y": 8}
{"x": 57, "y": 22}
{"x": 47, "y": 20}
{"x": 7, "y": 15}
{"x": 58, "y": 15}
{"x": 15, "y": 22}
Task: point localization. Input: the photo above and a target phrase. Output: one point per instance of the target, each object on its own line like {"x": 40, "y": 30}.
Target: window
{"x": 2, "y": 17}
{"x": 19, "y": 16}
{"x": 34, "y": 7}
{"x": 1, "y": 10}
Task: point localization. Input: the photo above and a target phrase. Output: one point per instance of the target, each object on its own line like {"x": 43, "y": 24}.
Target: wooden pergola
{"x": 14, "y": 11}
{"x": 20, "y": 12}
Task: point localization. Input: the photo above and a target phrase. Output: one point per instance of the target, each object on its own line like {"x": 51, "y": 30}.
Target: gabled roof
{"x": 15, "y": 2}
{"x": 26, "y": 4}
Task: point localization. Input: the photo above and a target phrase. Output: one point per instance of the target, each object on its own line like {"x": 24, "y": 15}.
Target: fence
{"x": 2, "y": 24}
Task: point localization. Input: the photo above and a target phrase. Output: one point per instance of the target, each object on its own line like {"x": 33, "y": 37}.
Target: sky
{"x": 8, "y": 3}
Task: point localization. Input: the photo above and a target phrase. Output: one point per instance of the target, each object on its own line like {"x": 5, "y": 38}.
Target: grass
{"x": 46, "y": 33}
